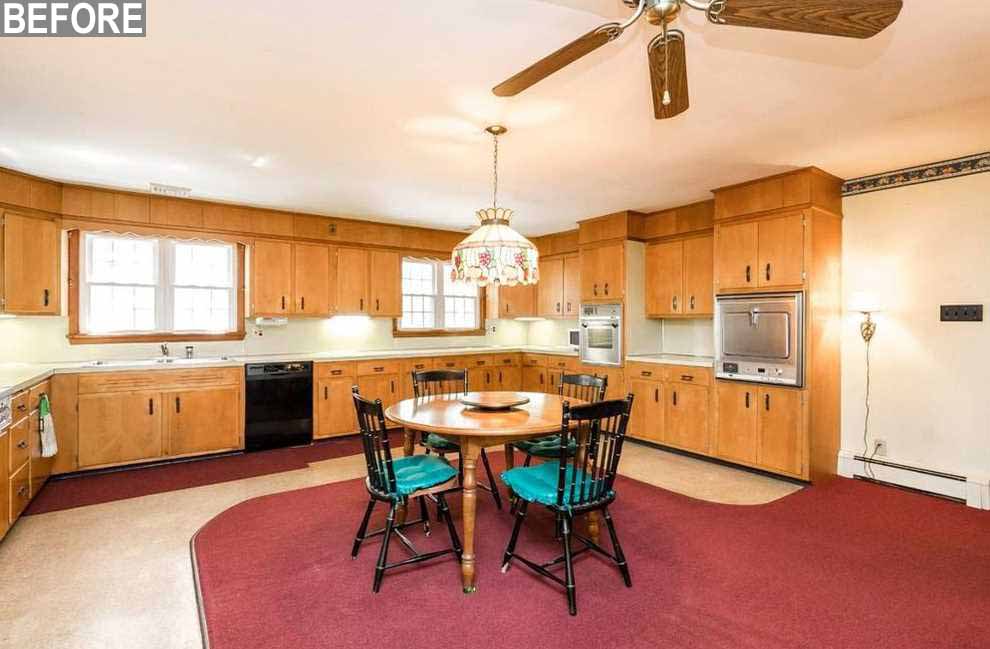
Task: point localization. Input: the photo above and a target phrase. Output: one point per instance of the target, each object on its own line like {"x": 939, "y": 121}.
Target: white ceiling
{"x": 376, "y": 109}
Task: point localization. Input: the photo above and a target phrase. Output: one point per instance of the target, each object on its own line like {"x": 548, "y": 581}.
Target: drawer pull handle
{"x": 749, "y": 276}
{"x": 46, "y": 297}
{"x": 675, "y": 397}
{"x": 151, "y": 407}
{"x": 392, "y": 386}
{"x": 595, "y": 289}
{"x": 766, "y": 401}
{"x": 646, "y": 373}
{"x": 379, "y": 369}
{"x": 692, "y": 303}
{"x": 656, "y": 395}
{"x": 178, "y": 405}
{"x": 377, "y": 305}
{"x": 768, "y": 272}
{"x": 558, "y": 307}
{"x": 22, "y": 444}
{"x": 283, "y": 303}
{"x": 21, "y": 407}
{"x": 747, "y": 399}
{"x": 23, "y": 491}
{"x": 568, "y": 307}
{"x": 336, "y": 372}
{"x": 302, "y": 303}
{"x": 361, "y": 304}
{"x": 326, "y": 393}
{"x": 606, "y": 288}
{"x": 674, "y": 303}
{"x": 687, "y": 377}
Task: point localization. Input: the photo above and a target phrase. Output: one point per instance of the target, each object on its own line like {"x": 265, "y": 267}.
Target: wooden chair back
{"x": 374, "y": 440}
{"x": 587, "y": 387}
{"x": 439, "y": 383}
{"x": 599, "y": 430}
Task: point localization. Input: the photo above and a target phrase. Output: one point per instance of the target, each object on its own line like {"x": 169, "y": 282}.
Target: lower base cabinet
{"x": 334, "y": 407}
{"x": 116, "y": 428}
{"x": 534, "y": 379}
{"x": 200, "y": 421}
{"x": 762, "y": 426}
{"x": 646, "y": 420}
{"x": 5, "y": 518}
{"x": 685, "y": 417}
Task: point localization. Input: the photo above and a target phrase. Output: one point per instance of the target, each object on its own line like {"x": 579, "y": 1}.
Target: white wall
{"x": 915, "y": 248}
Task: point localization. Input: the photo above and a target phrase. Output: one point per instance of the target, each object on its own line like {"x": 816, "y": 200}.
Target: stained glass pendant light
{"x": 495, "y": 254}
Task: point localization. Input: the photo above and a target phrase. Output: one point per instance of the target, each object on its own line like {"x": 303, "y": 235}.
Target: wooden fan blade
{"x": 561, "y": 58}
{"x": 850, "y": 18}
{"x": 677, "y": 84}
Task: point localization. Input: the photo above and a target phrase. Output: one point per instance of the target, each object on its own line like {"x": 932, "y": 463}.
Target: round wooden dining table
{"x": 474, "y": 429}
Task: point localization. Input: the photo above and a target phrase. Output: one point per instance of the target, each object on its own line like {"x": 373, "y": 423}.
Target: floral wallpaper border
{"x": 966, "y": 166}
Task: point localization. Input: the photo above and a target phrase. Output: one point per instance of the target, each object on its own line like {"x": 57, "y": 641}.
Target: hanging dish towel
{"x": 49, "y": 445}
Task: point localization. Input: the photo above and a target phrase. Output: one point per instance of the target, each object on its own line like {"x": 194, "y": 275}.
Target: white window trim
{"x": 439, "y": 311}
{"x": 164, "y": 287}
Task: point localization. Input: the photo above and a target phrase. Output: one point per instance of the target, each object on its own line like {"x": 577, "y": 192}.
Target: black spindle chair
{"x": 571, "y": 488}
{"x": 449, "y": 384}
{"x": 397, "y": 482}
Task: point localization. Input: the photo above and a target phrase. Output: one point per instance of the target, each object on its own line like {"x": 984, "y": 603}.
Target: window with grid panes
{"x": 431, "y": 301}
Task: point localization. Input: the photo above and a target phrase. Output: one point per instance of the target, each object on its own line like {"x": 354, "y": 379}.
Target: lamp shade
{"x": 495, "y": 253}
{"x": 864, "y": 302}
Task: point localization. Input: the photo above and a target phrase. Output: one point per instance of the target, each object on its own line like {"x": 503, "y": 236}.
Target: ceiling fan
{"x": 668, "y": 61}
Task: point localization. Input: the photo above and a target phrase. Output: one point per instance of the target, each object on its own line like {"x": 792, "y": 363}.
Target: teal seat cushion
{"x": 546, "y": 446}
{"x": 538, "y": 484}
{"x": 441, "y": 443}
{"x": 417, "y": 472}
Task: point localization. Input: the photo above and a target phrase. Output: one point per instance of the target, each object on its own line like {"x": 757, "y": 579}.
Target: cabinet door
{"x": 591, "y": 284}
{"x": 534, "y": 379}
{"x": 271, "y": 267}
{"x": 736, "y": 256}
{"x": 311, "y": 280}
{"x": 611, "y": 270}
{"x": 335, "y": 407}
{"x": 665, "y": 279}
{"x": 550, "y": 289}
{"x": 30, "y": 265}
{"x": 383, "y": 386}
{"x": 737, "y": 422}
{"x": 686, "y": 417}
{"x": 352, "y": 280}
{"x": 781, "y": 430}
{"x": 699, "y": 290}
{"x": 572, "y": 286}
{"x": 646, "y": 418}
{"x": 4, "y": 485}
{"x": 117, "y": 428}
{"x": 781, "y": 251}
{"x": 386, "y": 284}
{"x": 516, "y": 301}
{"x": 509, "y": 378}
{"x": 203, "y": 421}
{"x": 408, "y": 367}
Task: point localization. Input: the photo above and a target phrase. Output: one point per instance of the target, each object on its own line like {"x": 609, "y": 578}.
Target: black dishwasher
{"x": 279, "y": 405}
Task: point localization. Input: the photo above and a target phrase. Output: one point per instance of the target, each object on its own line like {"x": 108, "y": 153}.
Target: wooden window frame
{"x": 77, "y": 338}
{"x": 480, "y": 330}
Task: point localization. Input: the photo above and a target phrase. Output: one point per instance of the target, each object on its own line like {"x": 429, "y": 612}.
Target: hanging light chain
{"x": 495, "y": 174}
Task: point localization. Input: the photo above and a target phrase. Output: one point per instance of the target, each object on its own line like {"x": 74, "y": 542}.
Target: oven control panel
{"x": 758, "y": 373}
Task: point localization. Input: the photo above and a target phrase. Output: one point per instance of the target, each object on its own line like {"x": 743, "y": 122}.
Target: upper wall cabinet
{"x": 603, "y": 272}
{"x": 369, "y": 282}
{"x": 802, "y": 188}
{"x": 353, "y": 283}
{"x": 766, "y": 253}
{"x": 292, "y": 279}
{"x": 679, "y": 278}
{"x": 385, "y": 298}
{"x": 30, "y": 265}
{"x": 558, "y": 291}
{"x": 512, "y": 301}
{"x": 24, "y": 191}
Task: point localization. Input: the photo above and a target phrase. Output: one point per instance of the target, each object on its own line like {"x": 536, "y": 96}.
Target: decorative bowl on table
{"x": 494, "y": 400}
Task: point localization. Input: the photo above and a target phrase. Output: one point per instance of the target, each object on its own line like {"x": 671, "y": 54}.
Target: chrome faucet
{"x": 164, "y": 347}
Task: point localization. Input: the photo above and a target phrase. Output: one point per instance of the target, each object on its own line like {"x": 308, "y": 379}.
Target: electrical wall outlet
{"x": 880, "y": 448}
{"x": 962, "y": 313}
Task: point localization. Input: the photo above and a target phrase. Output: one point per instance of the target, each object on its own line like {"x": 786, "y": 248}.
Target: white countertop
{"x": 673, "y": 359}
{"x": 19, "y": 376}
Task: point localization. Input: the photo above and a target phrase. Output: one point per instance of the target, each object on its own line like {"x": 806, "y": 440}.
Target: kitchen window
{"x": 433, "y": 304}
{"x": 153, "y": 288}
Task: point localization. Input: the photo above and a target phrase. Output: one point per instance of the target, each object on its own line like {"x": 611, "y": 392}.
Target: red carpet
{"x": 847, "y": 565}
{"x": 93, "y": 489}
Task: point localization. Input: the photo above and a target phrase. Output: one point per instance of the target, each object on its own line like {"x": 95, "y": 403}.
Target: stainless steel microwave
{"x": 760, "y": 338}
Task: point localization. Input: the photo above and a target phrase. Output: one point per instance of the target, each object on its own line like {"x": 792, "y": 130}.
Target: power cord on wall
{"x": 867, "y": 454}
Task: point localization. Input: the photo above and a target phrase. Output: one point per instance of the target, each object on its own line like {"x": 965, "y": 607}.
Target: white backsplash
{"x": 694, "y": 337}
{"x": 550, "y": 333}
{"x": 43, "y": 340}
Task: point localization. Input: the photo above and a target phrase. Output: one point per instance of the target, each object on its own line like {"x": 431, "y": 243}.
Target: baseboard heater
{"x": 912, "y": 469}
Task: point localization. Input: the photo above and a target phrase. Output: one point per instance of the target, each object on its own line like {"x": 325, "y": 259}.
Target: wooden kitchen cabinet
{"x": 203, "y": 421}
{"x": 509, "y": 378}
{"x": 572, "y": 285}
{"x": 781, "y": 251}
{"x": 512, "y": 301}
{"x": 116, "y": 428}
{"x": 31, "y": 261}
{"x": 334, "y": 407}
{"x": 20, "y": 443}
{"x": 781, "y": 430}
{"x": 408, "y": 367}
{"x": 646, "y": 419}
{"x": 699, "y": 269}
{"x": 550, "y": 289}
{"x": 534, "y": 379}
{"x": 686, "y": 417}
{"x": 385, "y": 298}
{"x": 311, "y": 280}
{"x": 665, "y": 278}
{"x": 271, "y": 272}
{"x": 5, "y": 518}
{"x": 767, "y": 253}
{"x": 738, "y": 422}
{"x": 603, "y": 272}
{"x": 353, "y": 281}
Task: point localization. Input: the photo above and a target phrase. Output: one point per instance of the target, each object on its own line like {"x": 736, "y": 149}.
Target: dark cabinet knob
{"x": 749, "y": 274}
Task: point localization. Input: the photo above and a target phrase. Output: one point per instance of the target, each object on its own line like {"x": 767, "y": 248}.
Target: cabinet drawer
{"x": 647, "y": 371}
{"x": 371, "y": 368}
{"x": 687, "y": 374}
{"x": 418, "y": 364}
{"x": 505, "y": 360}
{"x": 478, "y": 361}
{"x": 330, "y": 370}
{"x": 19, "y": 439}
{"x": 34, "y": 395}
{"x": 450, "y": 363}
{"x": 562, "y": 363}
{"x": 158, "y": 379}
{"x": 19, "y": 406}
{"x": 534, "y": 360}
{"x": 20, "y": 492}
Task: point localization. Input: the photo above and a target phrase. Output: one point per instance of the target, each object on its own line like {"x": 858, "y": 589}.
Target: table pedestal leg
{"x": 593, "y": 526}
{"x": 409, "y": 446}
{"x": 510, "y": 456}
{"x": 582, "y": 461}
{"x": 469, "y": 456}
